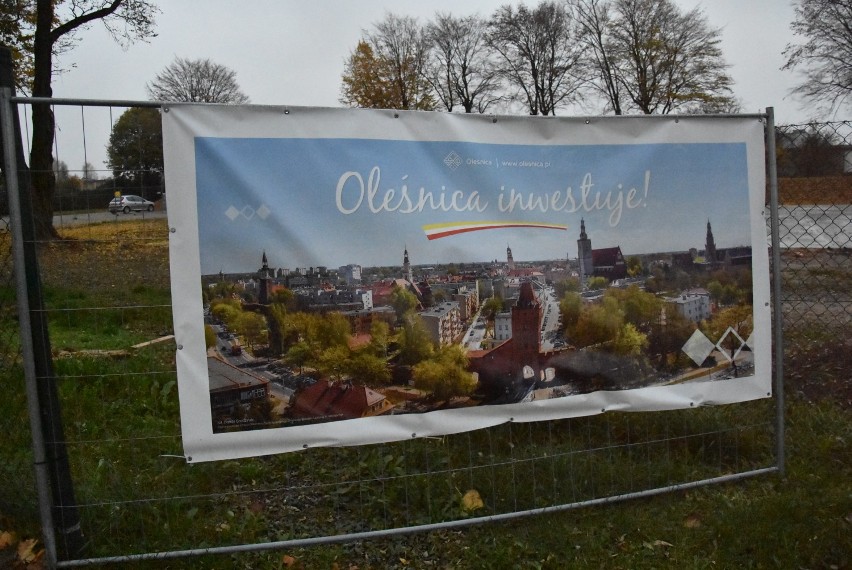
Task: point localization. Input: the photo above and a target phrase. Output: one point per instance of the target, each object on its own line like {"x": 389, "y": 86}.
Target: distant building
{"x": 503, "y": 326}
{"x": 584, "y": 255}
{"x": 512, "y": 366}
{"x": 715, "y": 258}
{"x": 329, "y": 400}
{"x": 264, "y": 278}
{"x": 406, "y": 267}
{"x": 362, "y": 320}
{"x": 710, "y": 254}
{"x": 351, "y": 274}
{"x": 692, "y": 306}
{"x": 444, "y": 322}
{"x": 735, "y": 256}
{"x": 608, "y": 262}
{"x": 231, "y": 387}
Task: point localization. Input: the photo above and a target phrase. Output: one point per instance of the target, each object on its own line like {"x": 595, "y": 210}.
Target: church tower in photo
{"x": 264, "y": 281}
{"x": 710, "y": 255}
{"x": 510, "y": 261}
{"x": 584, "y": 255}
{"x": 406, "y": 267}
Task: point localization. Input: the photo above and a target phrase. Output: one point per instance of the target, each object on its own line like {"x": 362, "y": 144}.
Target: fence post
{"x": 60, "y": 515}
{"x": 777, "y": 316}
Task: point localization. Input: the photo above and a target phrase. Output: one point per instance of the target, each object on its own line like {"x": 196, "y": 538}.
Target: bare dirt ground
{"x": 816, "y": 294}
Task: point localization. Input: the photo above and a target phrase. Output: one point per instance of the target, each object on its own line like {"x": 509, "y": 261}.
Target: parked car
{"x": 128, "y": 203}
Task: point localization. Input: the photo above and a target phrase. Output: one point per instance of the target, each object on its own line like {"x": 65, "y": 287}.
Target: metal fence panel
{"x": 107, "y": 293}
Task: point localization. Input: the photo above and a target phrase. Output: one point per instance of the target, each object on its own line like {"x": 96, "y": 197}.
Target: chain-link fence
{"x": 106, "y": 294}
{"x": 815, "y": 224}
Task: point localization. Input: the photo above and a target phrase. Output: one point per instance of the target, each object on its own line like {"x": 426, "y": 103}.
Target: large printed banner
{"x": 344, "y": 277}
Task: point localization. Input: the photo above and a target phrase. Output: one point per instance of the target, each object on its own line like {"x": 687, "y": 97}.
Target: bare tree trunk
{"x": 41, "y": 154}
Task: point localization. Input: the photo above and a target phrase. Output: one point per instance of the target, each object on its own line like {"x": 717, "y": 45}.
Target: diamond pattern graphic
{"x": 453, "y": 160}
{"x": 698, "y": 347}
{"x": 722, "y": 342}
{"x": 247, "y": 212}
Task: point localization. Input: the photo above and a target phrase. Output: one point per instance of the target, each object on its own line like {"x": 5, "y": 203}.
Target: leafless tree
{"x": 650, "y": 56}
{"x": 593, "y": 19}
{"x": 539, "y": 54}
{"x": 198, "y": 81}
{"x": 461, "y": 68}
{"x": 826, "y": 54}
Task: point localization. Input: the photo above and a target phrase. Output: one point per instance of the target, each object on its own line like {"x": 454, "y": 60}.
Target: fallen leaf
{"x": 27, "y": 552}
{"x": 692, "y": 521}
{"x": 288, "y": 560}
{"x": 471, "y": 501}
{"x": 7, "y": 539}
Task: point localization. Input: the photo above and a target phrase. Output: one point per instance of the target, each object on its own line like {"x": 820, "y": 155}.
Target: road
{"x": 550, "y": 317}
{"x": 550, "y": 324}
{"x": 71, "y": 219}
{"x": 93, "y": 217}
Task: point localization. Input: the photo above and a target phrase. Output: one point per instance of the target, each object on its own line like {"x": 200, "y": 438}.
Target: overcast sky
{"x": 292, "y": 53}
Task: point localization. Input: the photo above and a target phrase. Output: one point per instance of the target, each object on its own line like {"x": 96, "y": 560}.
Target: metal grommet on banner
{"x": 180, "y": 347}
{"x": 165, "y": 109}
{"x": 588, "y": 121}
{"x": 396, "y": 115}
{"x": 414, "y": 435}
{"x": 286, "y": 111}
{"x": 172, "y": 230}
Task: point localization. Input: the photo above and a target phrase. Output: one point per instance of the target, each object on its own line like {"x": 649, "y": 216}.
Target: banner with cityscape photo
{"x": 344, "y": 276}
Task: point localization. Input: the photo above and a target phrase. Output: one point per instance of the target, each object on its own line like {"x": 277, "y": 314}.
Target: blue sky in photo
{"x": 332, "y": 202}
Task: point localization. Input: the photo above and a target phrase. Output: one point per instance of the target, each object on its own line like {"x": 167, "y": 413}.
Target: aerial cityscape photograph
{"x": 289, "y": 346}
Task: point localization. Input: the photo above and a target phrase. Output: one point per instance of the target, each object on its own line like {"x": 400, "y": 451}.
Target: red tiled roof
{"x": 326, "y": 398}
{"x": 606, "y": 256}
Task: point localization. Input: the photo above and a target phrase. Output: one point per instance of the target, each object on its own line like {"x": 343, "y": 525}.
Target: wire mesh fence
{"x": 106, "y": 297}
{"x": 815, "y": 224}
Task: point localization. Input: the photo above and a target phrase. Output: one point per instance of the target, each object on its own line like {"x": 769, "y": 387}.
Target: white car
{"x": 128, "y": 203}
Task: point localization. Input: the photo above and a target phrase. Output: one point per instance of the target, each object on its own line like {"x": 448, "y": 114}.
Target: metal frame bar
{"x": 777, "y": 316}
{"x": 351, "y": 537}
{"x": 10, "y": 169}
